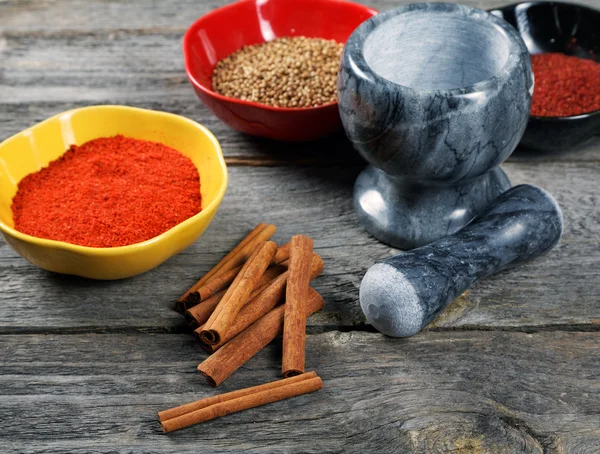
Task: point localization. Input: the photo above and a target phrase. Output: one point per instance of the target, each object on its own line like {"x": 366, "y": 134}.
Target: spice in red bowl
{"x": 287, "y": 72}
{"x": 108, "y": 192}
{"x": 564, "y": 85}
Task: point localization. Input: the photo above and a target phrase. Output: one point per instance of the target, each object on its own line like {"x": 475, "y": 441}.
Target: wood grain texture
{"x": 84, "y": 15}
{"x": 472, "y": 383}
{"x": 437, "y": 392}
{"x": 560, "y": 288}
{"x": 55, "y": 56}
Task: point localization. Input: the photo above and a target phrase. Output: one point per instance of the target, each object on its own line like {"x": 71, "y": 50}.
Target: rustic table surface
{"x": 511, "y": 366}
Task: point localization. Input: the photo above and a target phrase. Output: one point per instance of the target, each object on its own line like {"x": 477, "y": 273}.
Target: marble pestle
{"x": 404, "y": 293}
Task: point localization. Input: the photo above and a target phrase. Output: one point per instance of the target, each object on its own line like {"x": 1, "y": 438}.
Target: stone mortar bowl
{"x": 434, "y": 96}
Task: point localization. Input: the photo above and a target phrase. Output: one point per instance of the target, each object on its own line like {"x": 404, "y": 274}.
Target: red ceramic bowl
{"x": 225, "y": 30}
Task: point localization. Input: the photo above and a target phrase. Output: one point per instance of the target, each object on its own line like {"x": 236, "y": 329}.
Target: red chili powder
{"x": 564, "y": 85}
{"x": 108, "y": 192}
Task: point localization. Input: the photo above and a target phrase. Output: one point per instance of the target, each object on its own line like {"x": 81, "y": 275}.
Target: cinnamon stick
{"x": 245, "y": 345}
{"x": 282, "y": 254}
{"x": 250, "y": 259}
{"x": 238, "y": 293}
{"x": 259, "y": 304}
{"x": 210, "y": 287}
{"x": 255, "y": 399}
{"x": 200, "y": 313}
{"x": 207, "y": 402}
{"x": 255, "y": 231}
{"x": 294, "y": 325}
{"x": 236, "y": 257}
{"x": 222, "y": 280}
{"x": 246, "y": 251}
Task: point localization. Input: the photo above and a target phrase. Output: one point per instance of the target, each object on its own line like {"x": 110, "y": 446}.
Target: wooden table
{"x": 511, "y": 366}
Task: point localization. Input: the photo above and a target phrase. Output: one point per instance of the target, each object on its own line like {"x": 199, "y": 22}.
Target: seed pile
{"x": 285, "y": 72}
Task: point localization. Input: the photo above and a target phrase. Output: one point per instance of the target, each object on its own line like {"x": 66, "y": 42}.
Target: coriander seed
{"x": 286, "y": 72}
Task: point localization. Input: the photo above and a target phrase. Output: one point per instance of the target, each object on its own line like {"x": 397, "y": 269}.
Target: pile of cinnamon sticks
{"x": 235, "y": 312}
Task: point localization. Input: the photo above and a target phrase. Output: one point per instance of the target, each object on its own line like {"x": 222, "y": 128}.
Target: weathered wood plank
{"x": 566, "y": 277}
{"x": 311, "y": 201}
{"x": 129, "y": 53}
{"x": 49, "y": 73}
{"x": 241, "y": 149}
{"x": 437, "y": 392}
{"x": 238, "y": 148}
{"x": 466, "y": 392}
{"x": 33, "y": 15}
{"x": 558, "y": 289}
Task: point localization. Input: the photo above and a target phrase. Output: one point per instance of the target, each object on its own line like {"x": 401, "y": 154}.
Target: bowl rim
{"x": 565, "y": 118}
{"x": 353, "y": 52}
{"x": 120, "y": 250}
{"x": 513, "y": 6}
{"x": 187, "y": 38}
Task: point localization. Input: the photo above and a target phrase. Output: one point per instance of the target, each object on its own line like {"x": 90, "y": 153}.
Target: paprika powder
{"x": 108, "y": 192}
{"x": 564, "y": 85}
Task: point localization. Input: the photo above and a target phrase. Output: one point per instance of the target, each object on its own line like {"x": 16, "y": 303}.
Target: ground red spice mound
{"x": 108, "y": 192}
{"x": 564, "y": 85}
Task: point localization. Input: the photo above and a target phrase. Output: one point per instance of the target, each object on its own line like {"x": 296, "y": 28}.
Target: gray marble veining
{"x": 402, "y": 294}
{"x": 435, "y": 96}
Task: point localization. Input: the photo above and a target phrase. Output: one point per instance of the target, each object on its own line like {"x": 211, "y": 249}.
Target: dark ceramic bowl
{"x": 551, "y": 27}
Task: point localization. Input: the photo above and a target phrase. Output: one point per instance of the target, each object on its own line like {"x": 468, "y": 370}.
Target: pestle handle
{"x": 404, "y": 293}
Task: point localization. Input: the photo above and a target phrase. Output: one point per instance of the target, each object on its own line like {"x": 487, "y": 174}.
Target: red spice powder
{"x": 108, "y": 192}
{"x": 564, "y": 85}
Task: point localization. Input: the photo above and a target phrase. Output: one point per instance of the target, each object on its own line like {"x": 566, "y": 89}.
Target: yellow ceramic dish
{"x": 34, "y": 148}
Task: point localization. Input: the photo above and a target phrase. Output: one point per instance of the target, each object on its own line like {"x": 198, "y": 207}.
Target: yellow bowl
{"x": 32, "y": 149}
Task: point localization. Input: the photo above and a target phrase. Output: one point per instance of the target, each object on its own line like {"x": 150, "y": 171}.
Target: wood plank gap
{"x": 311, "y": 330}
{"x": 102, "y": 33}
{"x": 244, "y": 161}
{"x": 531, "y": 157}
{"x": 528, "y": 329}
{"x": 73, "y": 330}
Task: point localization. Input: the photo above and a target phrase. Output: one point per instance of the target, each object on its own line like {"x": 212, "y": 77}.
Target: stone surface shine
{"x": 403, "y": 294}
{"x": 382, "y": 202}
{"x": 434, "y": 95}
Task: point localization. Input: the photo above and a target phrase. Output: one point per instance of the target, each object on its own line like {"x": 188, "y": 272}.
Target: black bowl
{"x": 551, "y": 27}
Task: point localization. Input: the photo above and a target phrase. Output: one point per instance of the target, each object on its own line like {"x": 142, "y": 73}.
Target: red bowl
{"x": 226, "y": 29}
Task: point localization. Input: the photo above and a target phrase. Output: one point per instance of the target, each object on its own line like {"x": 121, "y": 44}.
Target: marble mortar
{"x": 434, "y": 96}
